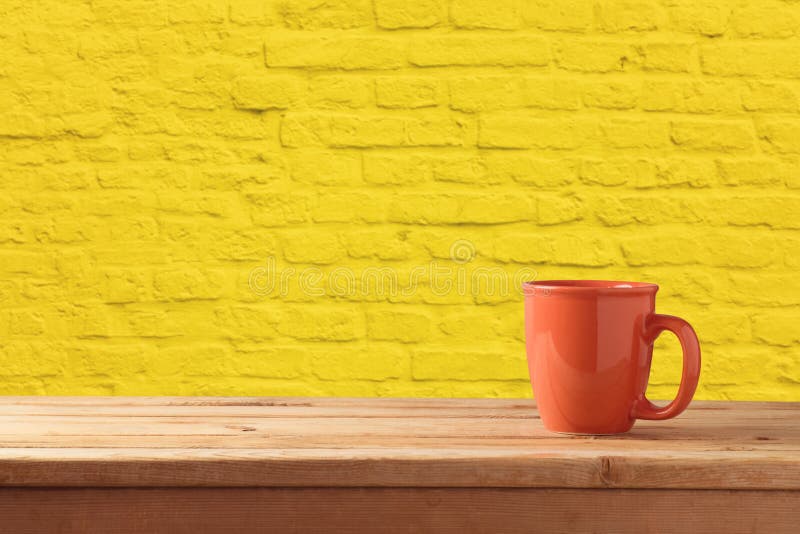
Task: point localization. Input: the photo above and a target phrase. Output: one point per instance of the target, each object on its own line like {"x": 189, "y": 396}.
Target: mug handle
{"x": 654, "y": 325}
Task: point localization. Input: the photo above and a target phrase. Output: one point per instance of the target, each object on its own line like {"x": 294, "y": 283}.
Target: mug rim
{"x": 589, "y": 286}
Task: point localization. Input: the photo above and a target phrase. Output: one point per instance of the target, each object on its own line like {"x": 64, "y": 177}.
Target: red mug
{"x": 589, "y": 345}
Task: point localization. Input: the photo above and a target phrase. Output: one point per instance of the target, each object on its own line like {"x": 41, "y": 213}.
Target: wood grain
{"x": 395, "y": 510}
{"x": 279, "y": 442}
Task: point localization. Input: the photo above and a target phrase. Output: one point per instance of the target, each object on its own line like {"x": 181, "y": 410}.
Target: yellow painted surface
{"x": 337, "y": 197}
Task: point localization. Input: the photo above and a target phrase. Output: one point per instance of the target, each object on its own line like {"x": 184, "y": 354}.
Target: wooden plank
{"x": 384, "y": 442}
{"x": 428, "y": 468}
{"x": 711, "y": 449}
{"x": 390, "y": 510}
{"x": 362, "y": 403}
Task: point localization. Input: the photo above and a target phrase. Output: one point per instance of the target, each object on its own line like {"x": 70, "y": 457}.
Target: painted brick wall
{"x": 191, "y": 192}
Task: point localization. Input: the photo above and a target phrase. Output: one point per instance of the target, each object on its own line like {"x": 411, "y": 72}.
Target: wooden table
{"x": 203, "y": 465}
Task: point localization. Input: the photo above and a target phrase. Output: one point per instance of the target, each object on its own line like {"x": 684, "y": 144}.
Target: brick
{"x": 563, "y": 15}
{"x": 712, "y": 135}
{"x": 254, "y": 12}
{"x": 781, "y": 136}
{"x": 218, "y": 204}
{"x": 470, "y": 324}
{"x": 25, "y": 323}
{"x": 439, "y": 131}
{"x": 305, "y": 129}
{"x": 691, "y": 97}
{"x": 492, "y": 365}
{"x": 769, "y": 289}
{"x": 749, "y": 361}
{"x": 192, "y": 11}
{"x": 414, "y": 208}
{"x": 340, "y": 92}
{"x": 343, "y": 131}
{"x": 402, "y": 326}
{"x": 313, "y": 15}
{"x": 14, "y": 232}
{"x": 708, "y": 249}
{"x": 278, "y": 209}
{"x": 253, "y": 244}
{"x": 26, "y": 262}
{"x": 144, "y": 12}
{"x": 760, "y": 172}
{"x": 464, "y": 50}
{"x": 596, "y": 56}
{"x": 360, "y": 363}
{"x": 667, "y": 56}
{"x": 335, "y": 52}
{"x": 136, "y": 175}
{"x": 23, "y": 358}
{"x": 197, "y": 359}
{"x": 530, "y": 170}
{"x": 706, "y": 17}
{"x": 23, "y": 125}
{"x": 188, "y": 283}
{"x": 791, "y": 252}
{"x": 266, "y": 172}
{"x": 771, "y": 19}
{"x": 759, "y": 210}
{"x": 391, "y": 14}
{"x": 378, "y": 243}
{"x": 562, "y": 248}
{"x": 448, "y": 243}
{"x": 224, "y": 124}
{"x": 610, "y": 95}
{"x": 321, "y": 323}
{"x": 769, "y": 96}
{"x": 680, "y": 172}
{"x": 634, "y": 133}
{"x": 269, "y": 362}
{"x": 486, "y": 93}
{"x": 110, "y": 360}
{"x": 551, "y": 93}
{"x": 730, "y": 326}
{"x": 408, "y": 92}
{"x": 629, "y": 15}
{"x": 461, "y": 169}
{"x": 495, "y": 14}
{"x": 250, "y": 322}
{"x": 87, "y": 125}
{"x": 62, "y": 232}
{"x": 396, "y": 169}
{"x": 750, "y": 59}
{"x": 303, "y": 246}
{"x": 616, "y": 171}
{"x": 267, "y": 92}
{"x": 351, "y": 206}
{"x": 581, "y": 251}
{"x": 352, "y": 131}
{"x": 126, "y": 285}
{"x": 559, "y": 209}
{"x": 648, "y": 210}
{"x": 519, "y": 131}
{"x": 777, "y": 328}
{"x": 325, "y": 168}
{"x": 496, "y": 209}
{"x": 788, "y": 169}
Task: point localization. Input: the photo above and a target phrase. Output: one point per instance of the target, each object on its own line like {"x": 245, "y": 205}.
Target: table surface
{"x": 340, "y": 442}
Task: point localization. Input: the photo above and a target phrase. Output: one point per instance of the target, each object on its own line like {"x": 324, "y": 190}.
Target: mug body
{"x": 588, "y": 356}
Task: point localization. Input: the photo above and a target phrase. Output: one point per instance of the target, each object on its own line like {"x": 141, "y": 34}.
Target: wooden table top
{"x": 338, "y": 442}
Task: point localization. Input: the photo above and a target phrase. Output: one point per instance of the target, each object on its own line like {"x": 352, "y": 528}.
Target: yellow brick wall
{"x": 162, "y": 160}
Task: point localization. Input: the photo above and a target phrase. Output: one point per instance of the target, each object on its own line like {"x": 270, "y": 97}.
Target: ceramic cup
{"x": 589, "y": 345}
